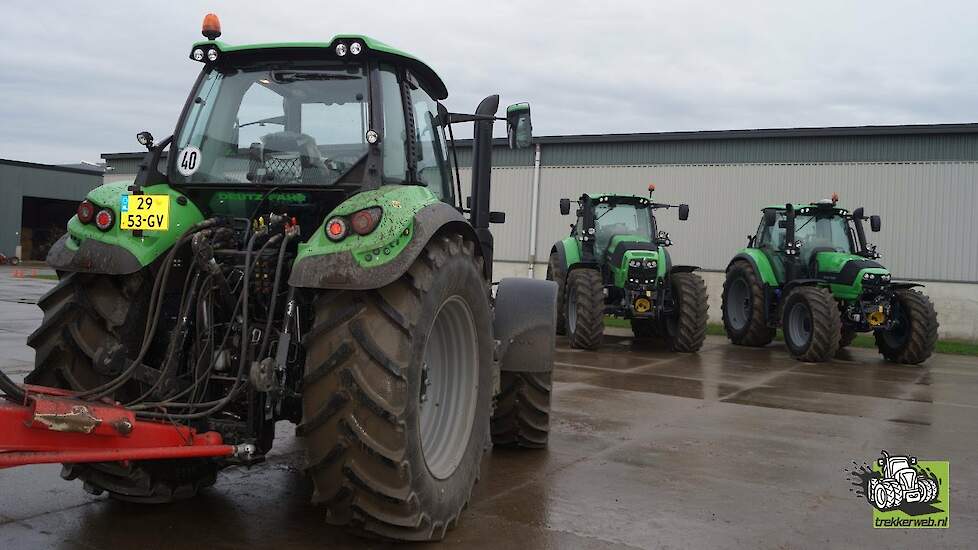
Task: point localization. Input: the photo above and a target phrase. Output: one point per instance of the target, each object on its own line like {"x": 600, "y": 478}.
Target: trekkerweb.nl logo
{"x": 904, "y": 492}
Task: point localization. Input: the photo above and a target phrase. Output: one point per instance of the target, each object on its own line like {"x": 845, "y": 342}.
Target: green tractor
{"x": 302, "y": 253}
{"x": 615, "y": 262}
{"x": 810, "y": 271}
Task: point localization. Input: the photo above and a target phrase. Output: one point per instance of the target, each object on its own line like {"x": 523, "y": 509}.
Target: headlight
{"x": 651, "y": 264}
{"x": 634, "y": 263}
{"x": 212, "y": 55}
{"x": 198, "y": 54}
{"x": 356, "y": 48}
{"x": 341, "y": 49}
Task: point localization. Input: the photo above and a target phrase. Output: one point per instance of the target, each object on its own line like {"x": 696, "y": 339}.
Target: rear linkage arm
{"x": 51, "y": 426}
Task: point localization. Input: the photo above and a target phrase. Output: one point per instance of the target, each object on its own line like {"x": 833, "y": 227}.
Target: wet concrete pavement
{"x": 731, "y": 447}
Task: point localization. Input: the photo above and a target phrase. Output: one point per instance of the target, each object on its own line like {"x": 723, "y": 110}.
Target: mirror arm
{"x": 455, "y": 118}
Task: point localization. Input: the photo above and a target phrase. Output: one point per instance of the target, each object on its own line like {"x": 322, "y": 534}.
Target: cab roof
{"x": 372, "y": 48}
{"x": 822, "y": 206}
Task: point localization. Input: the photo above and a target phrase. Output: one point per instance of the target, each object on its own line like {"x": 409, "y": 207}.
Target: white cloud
{"x": 78, "y": 80}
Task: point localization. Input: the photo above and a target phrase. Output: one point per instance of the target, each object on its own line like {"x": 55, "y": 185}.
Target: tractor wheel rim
{"x": 738, "y": 310}
{"x": 449, "y": 387}
{"x": 571, "y": 310}
{"x": 800, "y": 324}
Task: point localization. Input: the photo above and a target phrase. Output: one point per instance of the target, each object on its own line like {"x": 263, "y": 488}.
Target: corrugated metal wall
{"x": 929, "y": 228}
{"x": 847, "y": 148}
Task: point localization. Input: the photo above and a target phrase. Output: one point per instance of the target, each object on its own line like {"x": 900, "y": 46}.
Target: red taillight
{"x": 86, "y": 211}
{"x": 336, "y": 229}
{"x": 104, "y": 219}
{"x": 366, "y": 220}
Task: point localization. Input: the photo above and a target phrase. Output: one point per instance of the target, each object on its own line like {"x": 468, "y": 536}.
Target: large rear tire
{"x": 522, "y": 416}
{"x": 585, "y": 308}
{"x": 685, "y": 329}
{"x": 86, "y": 316}
{"x": 557, "y": 272}
{"x": 811, "y": 324}
{"x": 742, "y": 306}
{"x": 911, "y": 341}
{"x": 397, "y": 395}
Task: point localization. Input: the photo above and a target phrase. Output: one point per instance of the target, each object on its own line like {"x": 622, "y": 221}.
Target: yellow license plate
{"x": 144, "y": 212}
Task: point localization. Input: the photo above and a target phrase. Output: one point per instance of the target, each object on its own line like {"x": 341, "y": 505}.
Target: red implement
{"x": 54, "y": 427}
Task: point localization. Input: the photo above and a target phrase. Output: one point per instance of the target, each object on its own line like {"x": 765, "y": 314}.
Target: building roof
{"x": 72, "y": 168}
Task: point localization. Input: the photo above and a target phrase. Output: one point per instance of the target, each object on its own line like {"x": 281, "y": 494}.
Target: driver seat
{"x": 286, "y": 157}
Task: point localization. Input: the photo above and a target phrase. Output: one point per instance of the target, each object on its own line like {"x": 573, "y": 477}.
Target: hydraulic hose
{"x": 12, "y": 390}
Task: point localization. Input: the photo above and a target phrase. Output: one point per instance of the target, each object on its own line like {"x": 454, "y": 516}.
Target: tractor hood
{"x": 848, "y": 274}
{"x": 635, "y": 257}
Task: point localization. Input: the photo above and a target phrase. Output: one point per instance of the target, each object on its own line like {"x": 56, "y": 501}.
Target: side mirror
{"x": 857, "y": 214}
{"x": 683, "y": 212}
{"x": 769, "y": 218}
{"x": 564, "y": 207}
{"x": 519, "y": 129}
{"x": 874, "y": 223}
{"x": 145, "y": 139}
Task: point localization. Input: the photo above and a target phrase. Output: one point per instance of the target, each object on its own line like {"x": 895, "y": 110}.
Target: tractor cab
{"x": 816, "y": 240}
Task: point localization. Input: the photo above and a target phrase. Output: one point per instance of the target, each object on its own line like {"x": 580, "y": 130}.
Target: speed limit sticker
{"x": 188, "y": 161}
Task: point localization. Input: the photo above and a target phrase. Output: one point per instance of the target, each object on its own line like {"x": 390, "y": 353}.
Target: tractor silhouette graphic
{"x": 899, "y": 482}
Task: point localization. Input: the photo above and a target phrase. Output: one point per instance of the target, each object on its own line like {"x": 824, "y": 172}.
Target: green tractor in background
{"x": 302, "y": 253}
{"x": 810, "y": 271}
{"x": 615, "y": 262}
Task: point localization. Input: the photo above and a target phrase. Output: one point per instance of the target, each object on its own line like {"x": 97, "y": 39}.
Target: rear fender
{"x": 412, "y": 217}
{"x": 762, "y": 266}
{"x": 524, "y": 324}
{"x": 84, "y": 248}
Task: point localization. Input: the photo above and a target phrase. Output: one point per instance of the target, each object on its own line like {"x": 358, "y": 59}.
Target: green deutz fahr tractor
{"x": 302, "y": 253}
{"x": 615, "y": 262}
{"x": 810, "y": 271}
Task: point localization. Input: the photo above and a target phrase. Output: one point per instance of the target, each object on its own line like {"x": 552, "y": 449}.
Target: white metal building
{"x": 921, "y": 179}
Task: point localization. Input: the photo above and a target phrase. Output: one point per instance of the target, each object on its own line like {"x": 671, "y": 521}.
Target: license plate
{"x": 144, "y": 212}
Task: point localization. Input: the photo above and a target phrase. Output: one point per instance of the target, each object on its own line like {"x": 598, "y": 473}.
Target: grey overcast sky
{"x": 81, "y": 78}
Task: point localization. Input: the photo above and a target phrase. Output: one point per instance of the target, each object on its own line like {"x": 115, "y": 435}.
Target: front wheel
{"x": 585, "y": 308}
{"x": 913, "y": 335}
{"x": 811, "y": 324}
{"x": 685, "y": 329}
{"x": 557, "y": 272}
{"x": 397, "y": 396}
{"x": 522, "y": 416}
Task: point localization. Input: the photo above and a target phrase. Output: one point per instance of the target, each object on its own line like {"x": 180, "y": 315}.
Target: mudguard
{"x": 762, "y": 266}
{"x": 412, "y": 216}
{"x": 800, "y": 282}
{"x": 524, "y": 324}
{"x": 903, "y": 285}
{"x": 683, "y": 268}
{"x": 84, "y": 248}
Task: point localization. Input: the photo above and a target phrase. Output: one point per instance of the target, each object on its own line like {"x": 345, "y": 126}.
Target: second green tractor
{"x": 615, "y": 262}
{"x": 810, "y": 271}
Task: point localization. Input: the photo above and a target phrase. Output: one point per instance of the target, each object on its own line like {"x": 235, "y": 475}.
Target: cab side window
{"x": 430, "y": 152}
{"x": 395, "y": 132}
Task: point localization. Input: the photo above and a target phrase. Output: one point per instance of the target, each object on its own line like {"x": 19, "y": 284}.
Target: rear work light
{"x": 86, "y": 211}
{"x": 366, "y": 220}
{"x": 104, "y": 219}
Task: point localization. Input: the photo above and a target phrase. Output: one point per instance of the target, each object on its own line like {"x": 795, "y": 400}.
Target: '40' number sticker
{"x": 189, "y": 160}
